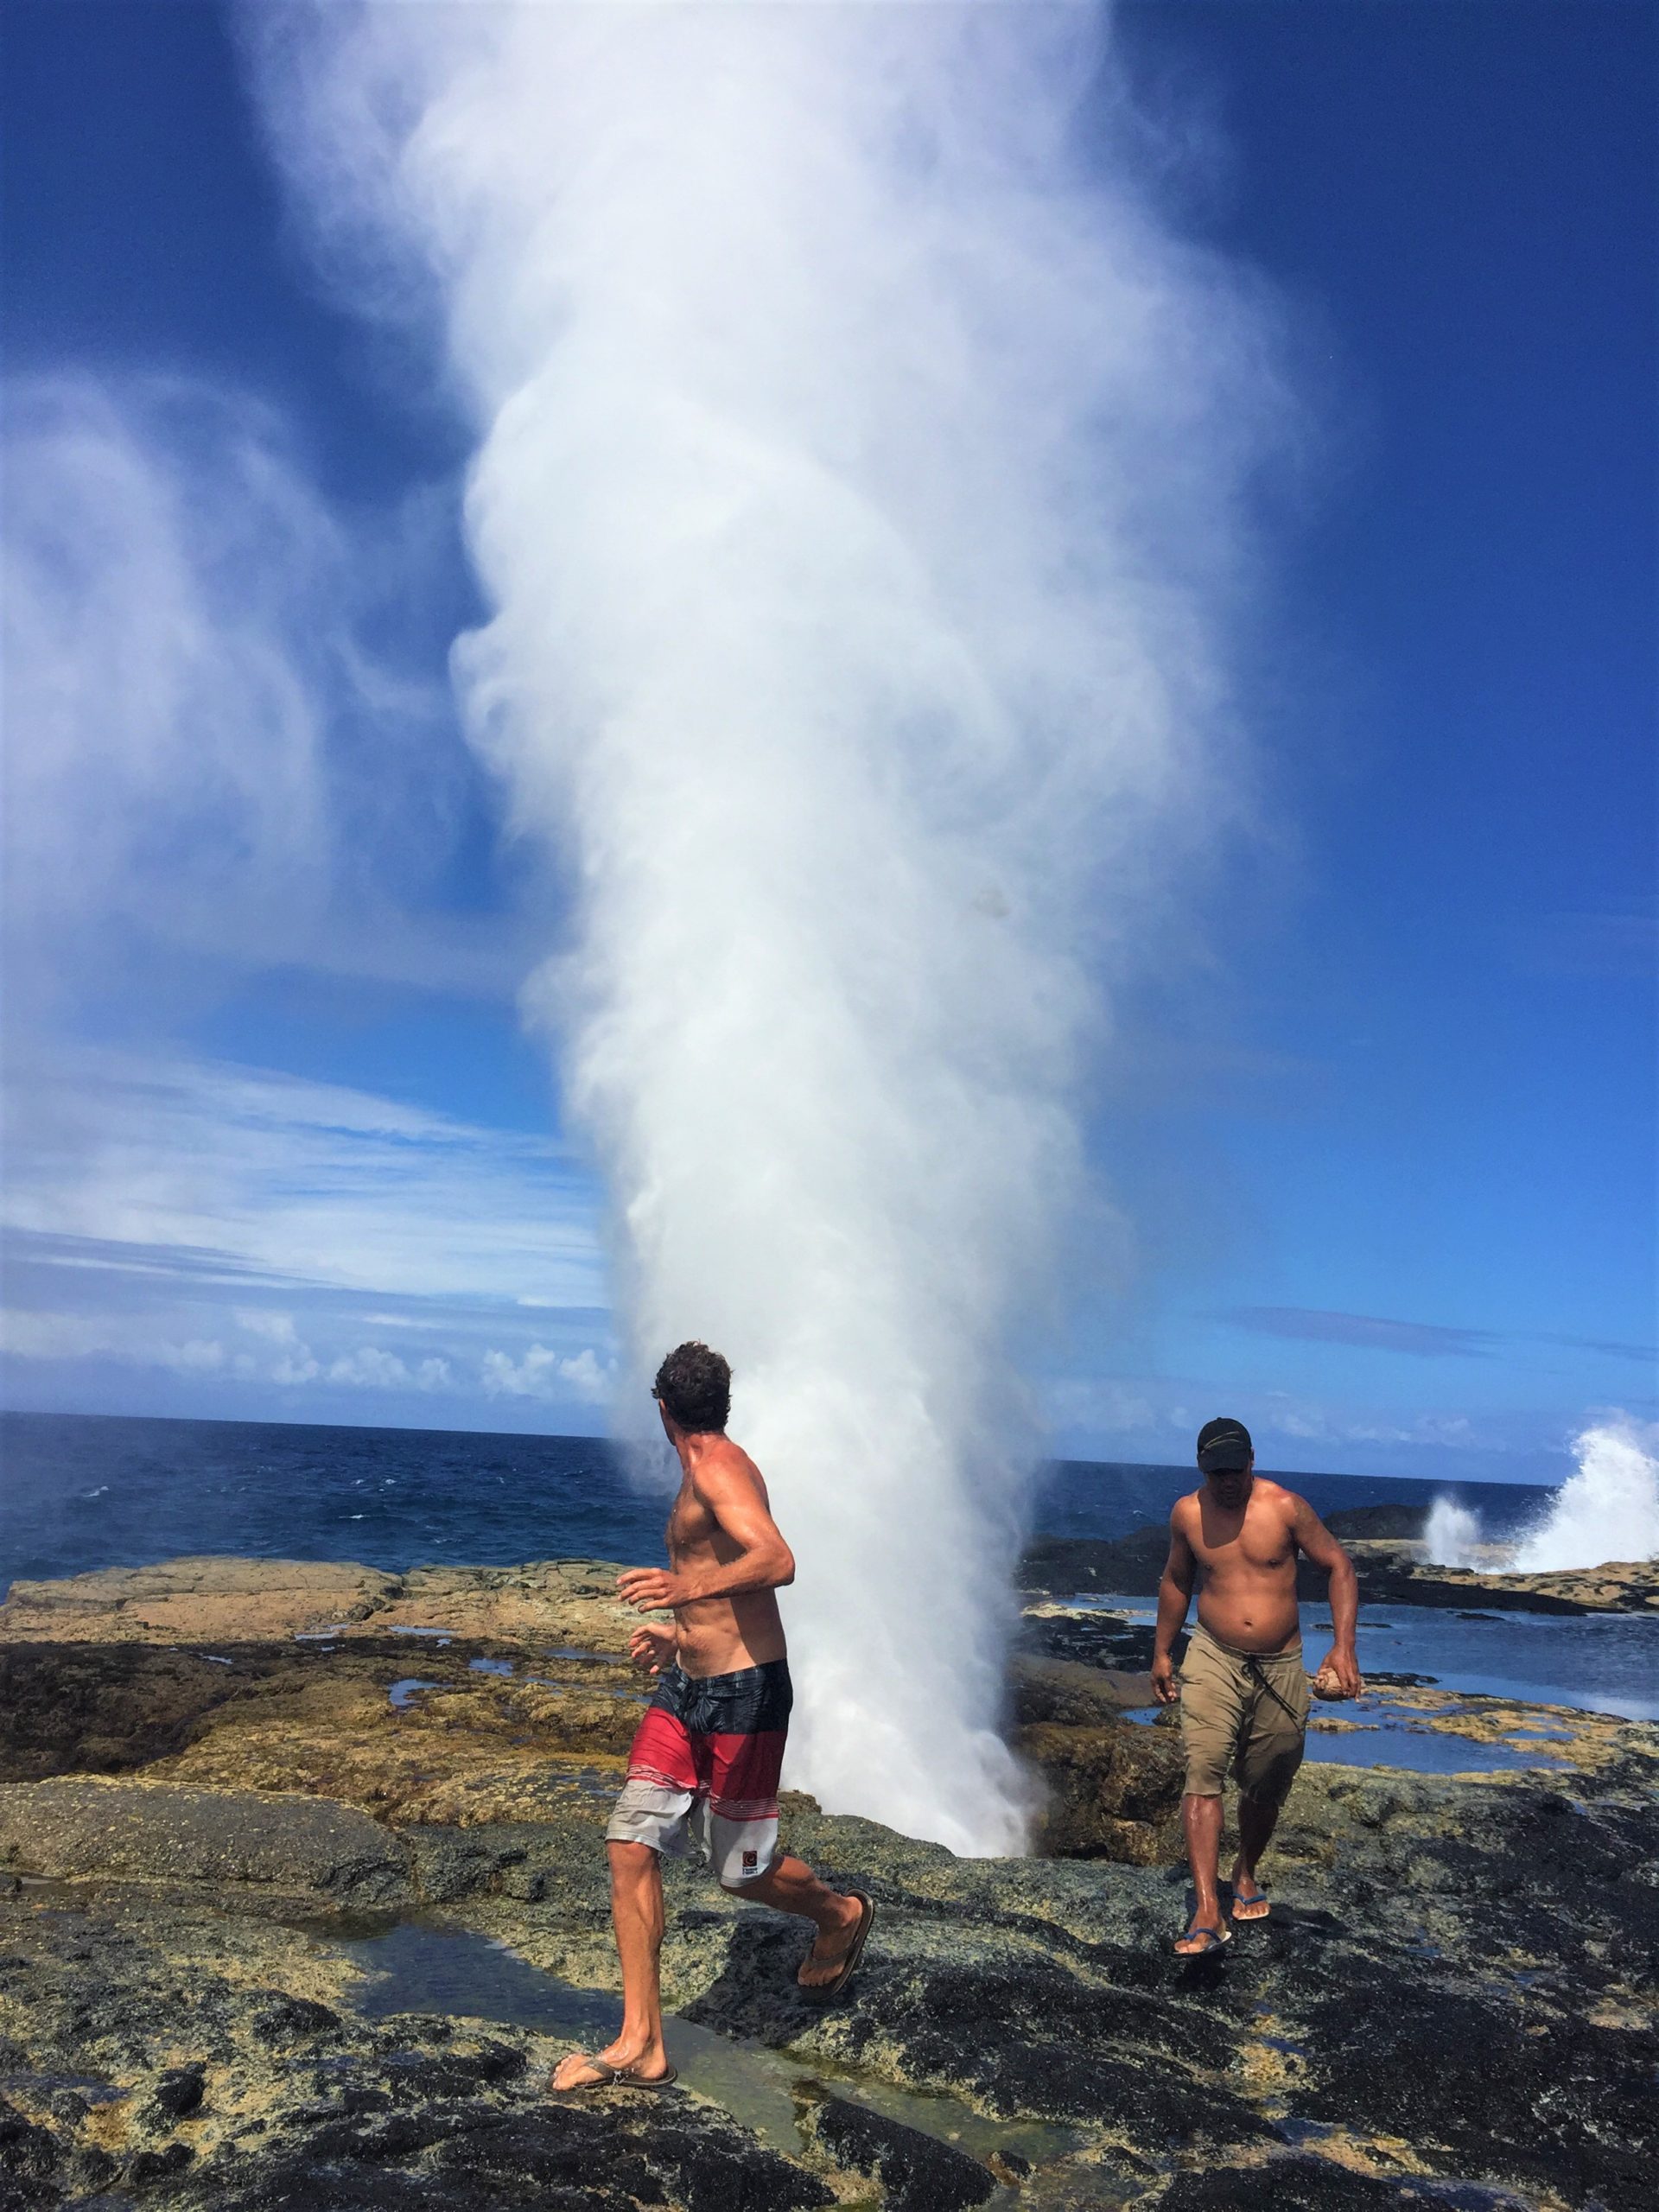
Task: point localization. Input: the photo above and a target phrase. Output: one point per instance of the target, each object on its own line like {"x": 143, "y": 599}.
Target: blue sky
{"x": 276, "y": 1146}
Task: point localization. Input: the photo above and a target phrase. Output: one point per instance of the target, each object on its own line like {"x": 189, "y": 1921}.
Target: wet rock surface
{"x": 1109, "y": 1790}
{"x": 1454, "y": 2003}
{"x": 288, "y": 2104}
{"x": 915, "y": 2173}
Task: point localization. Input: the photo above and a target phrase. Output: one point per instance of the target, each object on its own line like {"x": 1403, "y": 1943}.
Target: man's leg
{"x": 1270, "y": 1751}
{"x": 637, "y": 1916}
{"x": 1211, "y": 1713}
{"x": 1257, "y": 1819}
{"x": 789, "y": 1886}
{"x": 1201, "y": 1820}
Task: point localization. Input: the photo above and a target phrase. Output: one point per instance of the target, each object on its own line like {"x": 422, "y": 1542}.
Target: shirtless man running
{"x": 1243, "y": 1694}
{"x": 707, "y": 1755}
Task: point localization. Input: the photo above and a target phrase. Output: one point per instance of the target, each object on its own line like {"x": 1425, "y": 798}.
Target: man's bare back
{"x": 727, "y": 1561}
{"x": 707, "y": 1757}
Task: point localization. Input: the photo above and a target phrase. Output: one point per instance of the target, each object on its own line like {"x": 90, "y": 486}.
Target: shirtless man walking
{"x": 1243, "y": 1694}
{"x": 708, "y": 1754}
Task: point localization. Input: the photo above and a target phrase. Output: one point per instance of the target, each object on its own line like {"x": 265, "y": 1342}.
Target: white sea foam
{"x": 1451, "y": 1533}
{"x": 1608, "y": 1510}
{"x": 858, "y": 501}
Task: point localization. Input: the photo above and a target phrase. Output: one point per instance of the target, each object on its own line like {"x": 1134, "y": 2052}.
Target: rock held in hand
{"x": 1327, "y": 1686}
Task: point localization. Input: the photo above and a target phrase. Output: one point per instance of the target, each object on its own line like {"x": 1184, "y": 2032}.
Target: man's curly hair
{"x": 694, "y": 1388}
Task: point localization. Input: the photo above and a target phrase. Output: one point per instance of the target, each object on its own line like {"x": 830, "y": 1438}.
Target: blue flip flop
{"x": 1219, "y": 1939}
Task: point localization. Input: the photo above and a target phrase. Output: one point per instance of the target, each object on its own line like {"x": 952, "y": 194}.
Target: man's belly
{"x": 1250, "y": 1619}
{"x": 722, "y": 1635}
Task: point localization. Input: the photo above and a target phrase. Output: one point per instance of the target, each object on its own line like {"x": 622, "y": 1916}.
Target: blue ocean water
{"x": 80, "y": 1492}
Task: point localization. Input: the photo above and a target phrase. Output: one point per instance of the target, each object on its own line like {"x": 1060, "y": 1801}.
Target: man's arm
{"x": 1317, "y": 1543}
{"x": 733, "y": 1497}
{"x": 1174, "y": 1594}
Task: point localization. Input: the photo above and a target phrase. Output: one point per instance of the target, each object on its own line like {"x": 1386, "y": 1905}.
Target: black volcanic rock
{"x": 1064, "y": 1566}
{"x": 917, "y": 2172}
{"x": 1451, "y": 2003}
{"x": 1374, "y": 1523}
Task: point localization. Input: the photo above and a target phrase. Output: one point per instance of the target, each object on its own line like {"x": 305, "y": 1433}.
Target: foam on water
{"x": 1451, "y": 1533}
{"x": 1608, "y": 1510}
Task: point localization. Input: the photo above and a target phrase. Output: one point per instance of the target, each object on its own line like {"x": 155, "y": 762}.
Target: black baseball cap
{"x": 1224, "y": 1445}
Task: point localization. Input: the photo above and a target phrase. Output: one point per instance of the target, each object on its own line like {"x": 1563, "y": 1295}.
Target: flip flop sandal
{"x": 1242, "y": 1912}
{"x": 1216, "y": 1939}
{"x": 824, "y": 1991}
{"x": 608, "y": 2076}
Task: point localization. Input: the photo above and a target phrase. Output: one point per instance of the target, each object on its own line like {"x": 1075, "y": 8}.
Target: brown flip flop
{"x": 825, "y": 1990}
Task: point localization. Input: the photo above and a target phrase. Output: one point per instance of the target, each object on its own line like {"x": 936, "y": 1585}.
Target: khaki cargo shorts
{"x": 1246, "y": 1711}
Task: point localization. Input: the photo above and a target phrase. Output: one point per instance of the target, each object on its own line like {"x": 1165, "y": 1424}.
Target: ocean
{"x": 82, "y": 1491}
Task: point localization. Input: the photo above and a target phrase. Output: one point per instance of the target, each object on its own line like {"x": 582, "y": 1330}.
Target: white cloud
{"x": 165, "y": 766}
{"x": 35, "y": 1335}
{"x": 196, "y": 1357}
{"x": 299, "y": 1183}
{"x": 1100, "y": 1402}
{"x": 370, "y": 1369}
{"x": 259, "y": 1321}
{"x": 204, "y": 764}
{"x": 156, "y": 1206}
{"x": 544, "y": 1374}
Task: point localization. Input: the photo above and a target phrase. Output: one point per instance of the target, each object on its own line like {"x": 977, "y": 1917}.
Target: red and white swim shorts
{"x": 705, "y": 1764}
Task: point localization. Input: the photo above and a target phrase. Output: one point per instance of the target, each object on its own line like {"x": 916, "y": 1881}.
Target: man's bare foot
{"x": 1203, "y": 1936}
{"x": 823, "y": 1961}
{"x": 1249, "y": 1898}
{"x": 642, "y": 2066}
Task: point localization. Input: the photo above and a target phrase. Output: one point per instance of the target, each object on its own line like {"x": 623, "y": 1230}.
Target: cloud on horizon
{"x": 256, "y": 1230}
{"x": 1154, "y": 1419}
{"x": 1420, "y": 1339}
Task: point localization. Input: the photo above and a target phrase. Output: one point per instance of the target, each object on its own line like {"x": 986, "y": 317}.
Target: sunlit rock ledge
{"x": 462, "y": 1694}
{"x": 1396, "y": 1574}
{"x": 224, "y": 1782}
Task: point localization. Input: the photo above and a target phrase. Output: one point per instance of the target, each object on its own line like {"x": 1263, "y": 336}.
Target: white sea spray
{"x": 858, "y": 496}
{"x": 1608, "y": 1510}
{"x": 1451, "y": 1533}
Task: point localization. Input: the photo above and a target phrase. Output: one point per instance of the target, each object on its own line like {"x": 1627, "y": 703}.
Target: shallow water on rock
{"x": 403, "y": 1694}
{"x": 431, "y": 1966}
{"x": 1385, "y": 1738}
{"x": 1598, "y": 1662}
{"x": 1417, "y": 1751}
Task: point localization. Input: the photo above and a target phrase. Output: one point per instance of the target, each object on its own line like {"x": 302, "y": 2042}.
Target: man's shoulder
{"x": 723, "y": 1462}
{"x": 1279, "y": 1497}
{"x": 1183, "y": 1508}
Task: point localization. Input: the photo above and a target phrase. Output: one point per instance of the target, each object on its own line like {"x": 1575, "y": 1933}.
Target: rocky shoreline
{"x": 1392, "y": 1572}
{"x": 227, "y": 1789}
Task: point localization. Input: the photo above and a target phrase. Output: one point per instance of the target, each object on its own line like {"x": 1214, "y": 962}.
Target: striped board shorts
{"x": 704, "y": 1766}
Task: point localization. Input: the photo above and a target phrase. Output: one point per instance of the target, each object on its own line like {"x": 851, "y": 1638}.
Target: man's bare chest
{"x": 691, "y": 1527}
{"x": 1255, "y": 1548}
